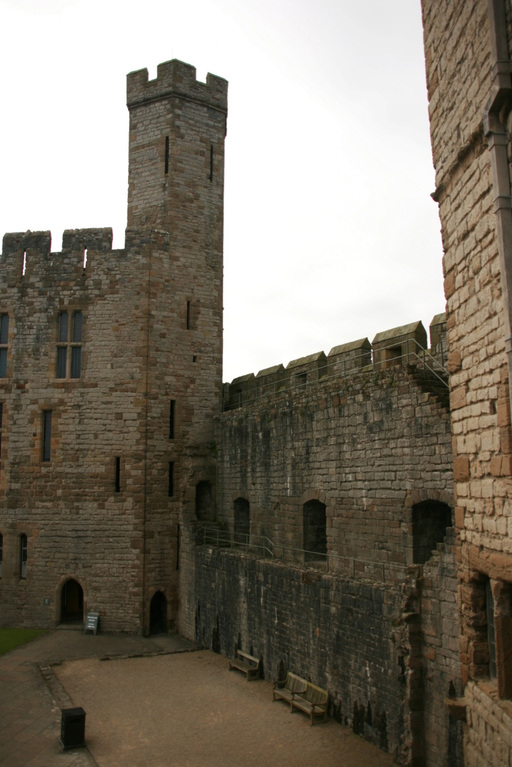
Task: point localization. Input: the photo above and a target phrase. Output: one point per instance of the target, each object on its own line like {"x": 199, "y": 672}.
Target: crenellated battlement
{"x": 175, "y": 78}
{"x": 28, "y": 254}
{"x": 406, "y": 344}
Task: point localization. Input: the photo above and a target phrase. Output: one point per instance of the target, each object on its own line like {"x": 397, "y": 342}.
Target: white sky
{"x": 330, "y": 231}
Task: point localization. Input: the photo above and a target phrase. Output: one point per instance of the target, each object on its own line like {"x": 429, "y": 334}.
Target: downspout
{"x": 496, "y": 112}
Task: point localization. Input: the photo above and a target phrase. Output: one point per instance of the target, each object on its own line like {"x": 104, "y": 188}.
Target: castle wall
{"x": 467, "y": 51}
{"x": 358, "y": 620}
{"x": 341, "y": 634}
{"x": 355, "y": 445}
{"x": 104, "y": 498}
{"x": 77, "y": 525}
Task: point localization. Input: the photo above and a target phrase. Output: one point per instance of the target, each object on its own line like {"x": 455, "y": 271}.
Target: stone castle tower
{"x": 110, "y": 378}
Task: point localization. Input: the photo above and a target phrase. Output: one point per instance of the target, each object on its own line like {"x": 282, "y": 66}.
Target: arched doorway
{"x": 242, "y": 521}
{"x": 158, "y": 614}
{"x": 71, "y": 602}
{"x": 430, "y": 519}
{"x": 205, "y": 510}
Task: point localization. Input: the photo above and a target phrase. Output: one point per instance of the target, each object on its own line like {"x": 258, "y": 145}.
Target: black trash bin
{"x": 72, "y": 728}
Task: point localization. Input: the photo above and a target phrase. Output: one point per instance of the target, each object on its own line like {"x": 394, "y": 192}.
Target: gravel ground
{"x": 187, "y": 710}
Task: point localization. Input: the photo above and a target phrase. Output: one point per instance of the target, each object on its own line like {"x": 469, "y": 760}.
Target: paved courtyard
{"x": 156, "y": 702}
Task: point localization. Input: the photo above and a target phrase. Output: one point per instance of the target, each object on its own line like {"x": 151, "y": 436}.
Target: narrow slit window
{"x": 170, "y": 482}
{"x": 23, "y": 556}
{"x": 118, "y": 474}
{"x": 1, "y": 553}
{"x": 47, "y": 436}
{"x": 178, "y": 541}
{"x": 4, "y": 340}
{"x": 24, "y": 264}
{"x": 85, "y": 258}
{"x": 172, "y": 418}
{"x": 491, "y": 629}
{"x": 211, "y": 163}
{"x": 188, "y": 315}
{"x": 1, "y": 419}
{"x": 166, "y": 161}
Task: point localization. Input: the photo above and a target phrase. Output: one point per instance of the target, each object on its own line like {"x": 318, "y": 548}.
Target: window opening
{"x": 47, "y": 435}
{"x": 205, "y": 511}
{"x": 1, "y": 552}
{"x": 69, "y": 345}
{"x": 1, "y": 419}
{"x": 85, "y": 258}
{"x": 242, "y": 521}
{"x": 172, "y": 416}
{"x": 188, "y": 315}
{"x": 211, "y": 163}
{"x": 166, "y": 161}
{"x": 24, "y": 264}
{"x": 301, "y": 380}
{"x": 430, "y": 520}
{"x": 315, "y": 532}
{"x": 170, "y": 484}
{"x": 491, "y": 632}
{"x": 4, "y": 339}
{"x": 178, "y": 541}
{"x": 118, "y": 474}
{"x": 23, "y": 556}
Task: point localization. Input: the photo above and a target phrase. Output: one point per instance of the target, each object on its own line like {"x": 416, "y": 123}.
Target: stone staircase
{"x": 435, "y": 383}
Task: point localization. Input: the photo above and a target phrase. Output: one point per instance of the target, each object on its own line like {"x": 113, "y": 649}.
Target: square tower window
{"x": 69, "y": 345}
{"x": 4, "y": 338}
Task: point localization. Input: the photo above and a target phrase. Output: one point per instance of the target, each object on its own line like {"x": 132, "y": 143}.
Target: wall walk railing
{"x": 262, "y": 547}
{"x": 383, "y": 359}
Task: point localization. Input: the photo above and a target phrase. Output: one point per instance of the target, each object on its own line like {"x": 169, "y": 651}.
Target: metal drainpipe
{"x": 496, "y": 113}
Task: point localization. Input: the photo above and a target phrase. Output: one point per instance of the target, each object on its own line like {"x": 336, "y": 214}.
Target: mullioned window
{"x": 69, "y": 345}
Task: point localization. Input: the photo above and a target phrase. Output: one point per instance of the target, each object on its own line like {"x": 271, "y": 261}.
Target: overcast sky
{"x": 330, "y": 231}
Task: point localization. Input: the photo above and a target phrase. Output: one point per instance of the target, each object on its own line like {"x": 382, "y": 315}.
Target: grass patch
{"x": 12, "y": 638}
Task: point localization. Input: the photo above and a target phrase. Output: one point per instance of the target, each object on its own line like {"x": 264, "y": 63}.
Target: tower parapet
{"x": 175, "y": 78}
{"x": 27, "y": 255}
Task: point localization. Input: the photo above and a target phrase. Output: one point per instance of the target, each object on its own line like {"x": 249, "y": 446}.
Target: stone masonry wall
{"x": 111, "y": 506}
{"x": 342, "y": 635}
{"x": 368, "y": 447}
{"x": 467, "y": 52}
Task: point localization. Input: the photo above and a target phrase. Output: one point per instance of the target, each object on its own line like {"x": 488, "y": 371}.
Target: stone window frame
{"x": 1, "y": 554}
{"x": 490, "y": 635}
{"x": 68, "y": 364}
{"x": 4, "y": 343}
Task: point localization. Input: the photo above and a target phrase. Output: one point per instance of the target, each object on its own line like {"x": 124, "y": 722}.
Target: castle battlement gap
{"x": 27, "y": 256}
{"x": 406, "y": 344}
{"x": 176, "y": 79}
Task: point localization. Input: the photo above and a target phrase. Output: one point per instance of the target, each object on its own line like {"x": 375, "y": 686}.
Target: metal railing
{"x": 380, "y": 360}
{"x": 262, "y": 547}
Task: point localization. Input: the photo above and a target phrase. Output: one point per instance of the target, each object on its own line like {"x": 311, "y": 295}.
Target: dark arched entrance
{"x": 242, "y": 521}
{"x": 71, "y": 602}
{"x": 315, "y": 534}
{"x": 158, "y": 614}
{"x": 429, "y": 522}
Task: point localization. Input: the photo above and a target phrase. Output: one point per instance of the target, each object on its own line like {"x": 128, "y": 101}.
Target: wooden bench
{"x": 303, "y": 695}
{"x": 249, "y": 664}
